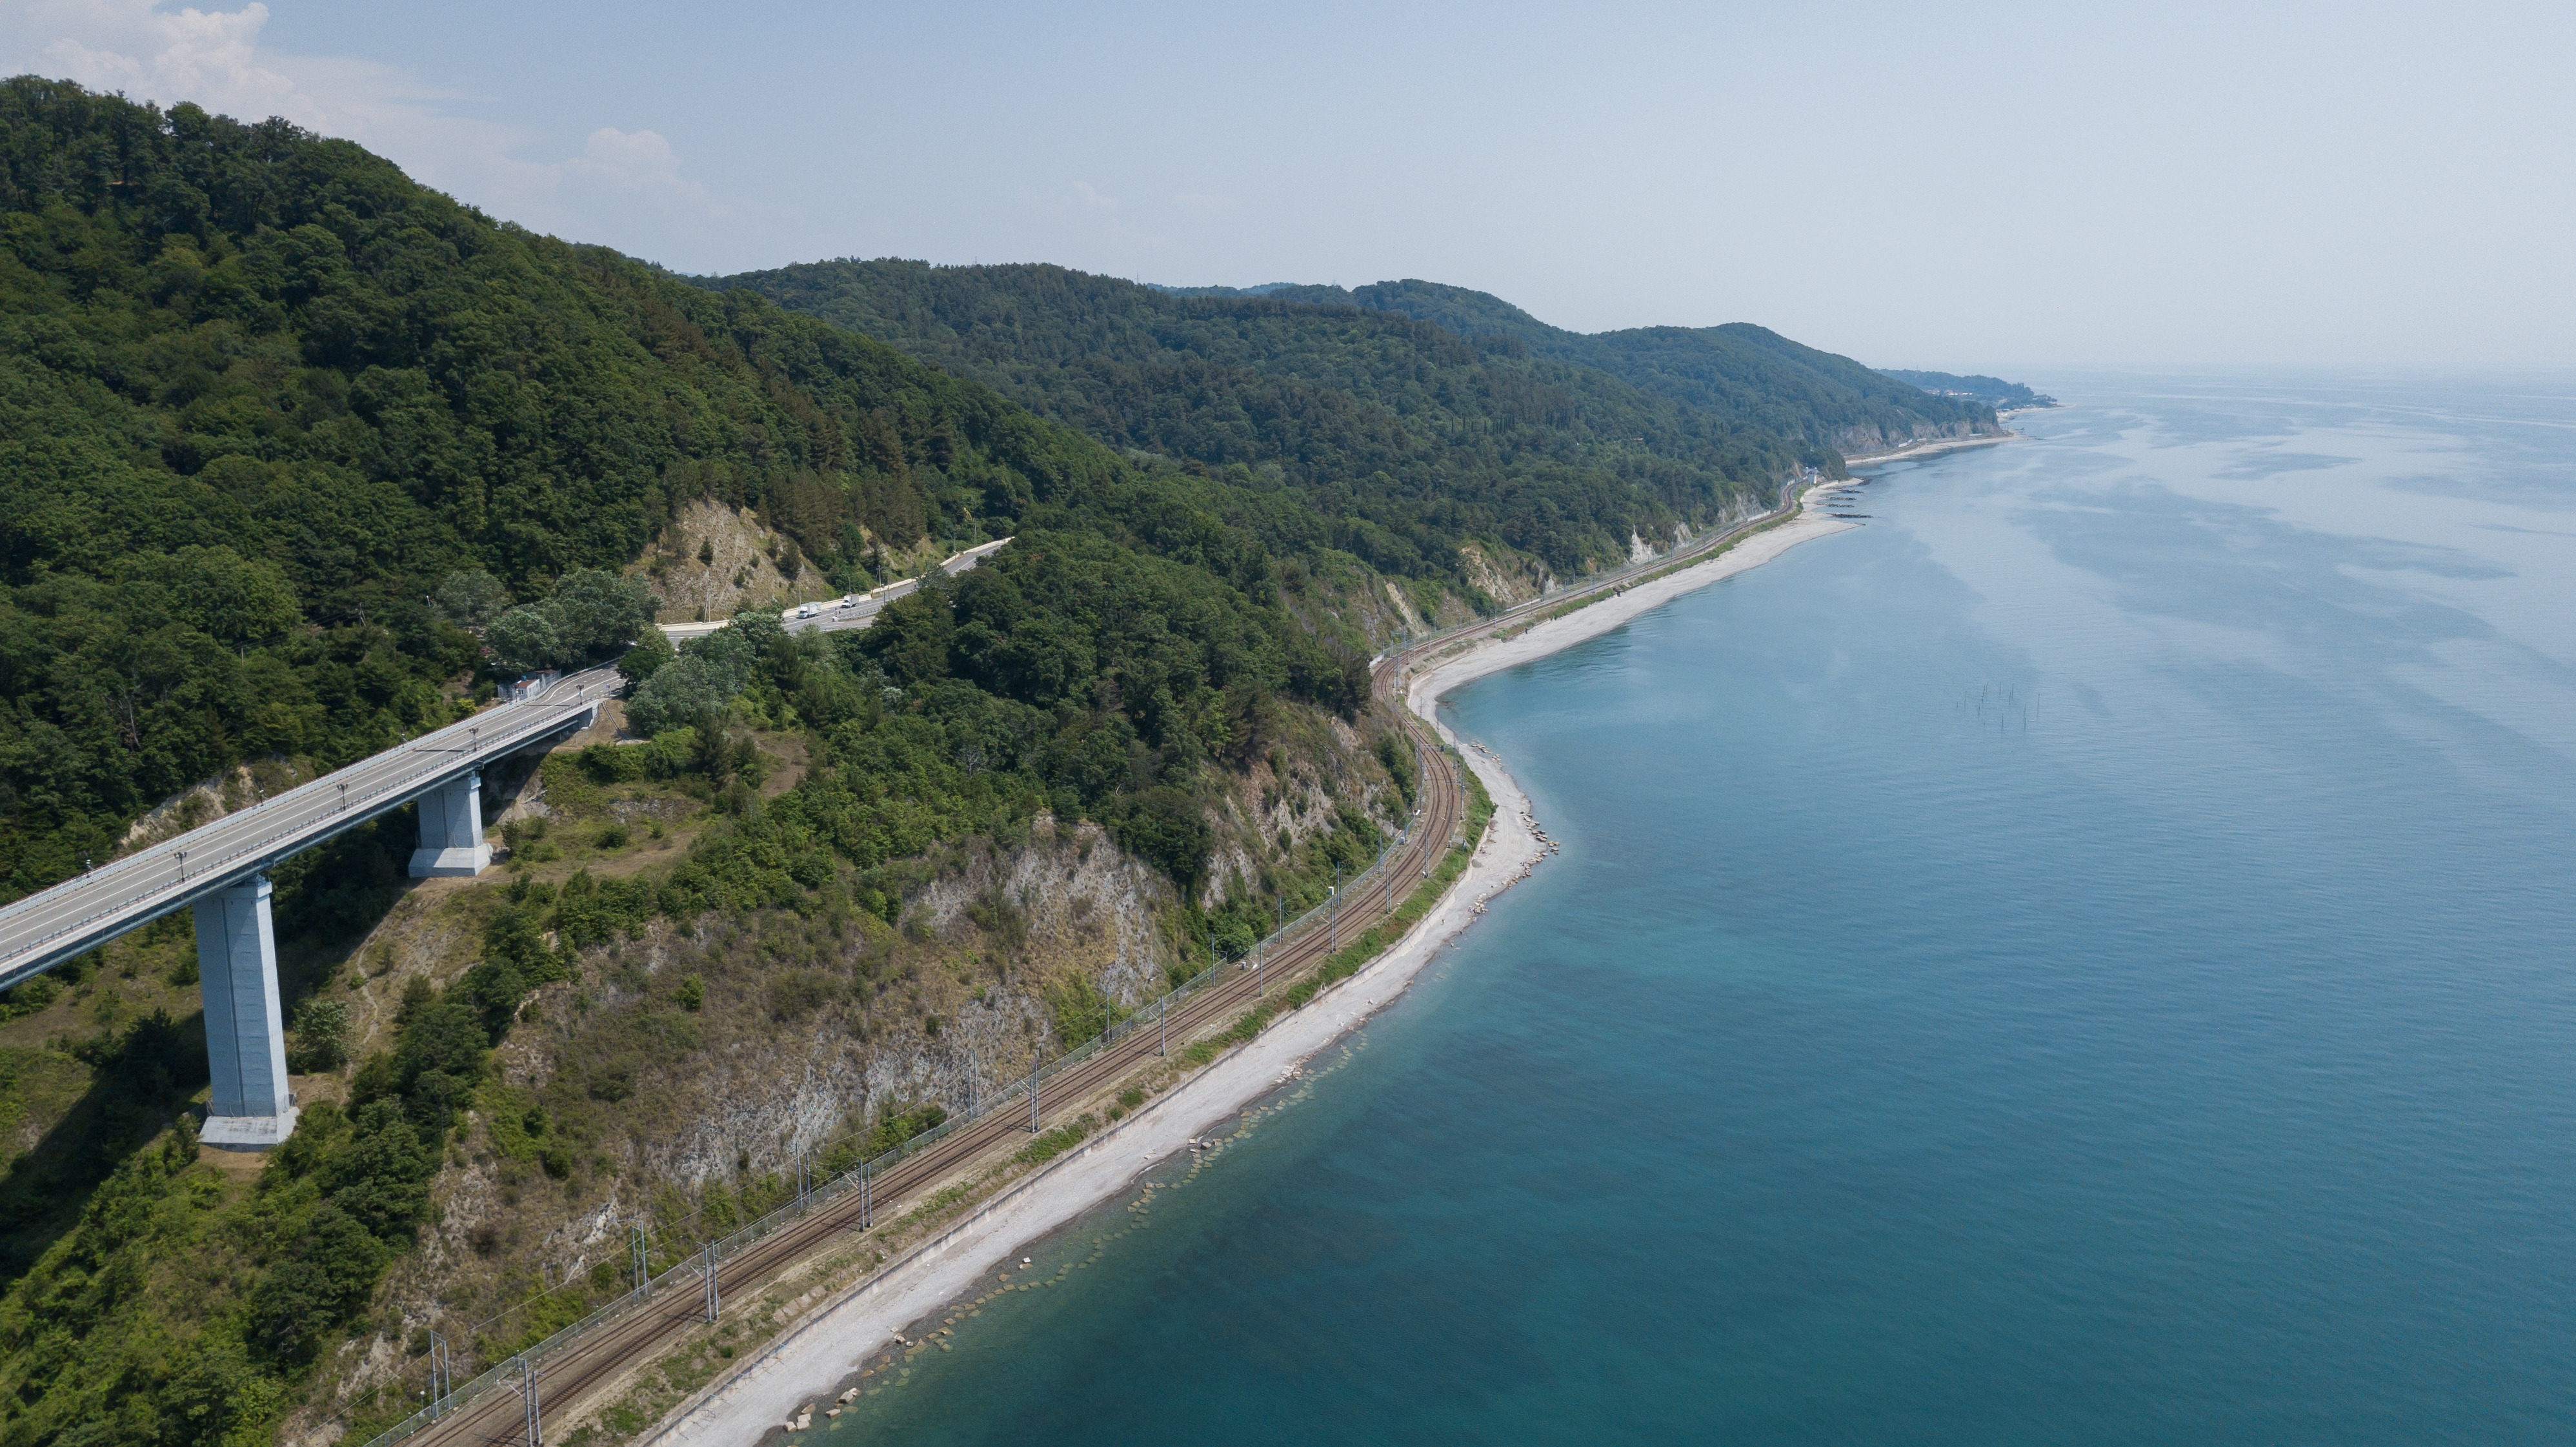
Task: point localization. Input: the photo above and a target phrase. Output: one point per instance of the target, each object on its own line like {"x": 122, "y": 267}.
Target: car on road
{"x": 808, "y": 610}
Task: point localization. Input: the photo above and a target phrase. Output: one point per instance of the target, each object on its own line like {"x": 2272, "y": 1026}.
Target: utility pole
{"x": 715, "y": 1300}
{"x": 1333, "y": 912}
{"x": 643, "y": 1257}
{"x": 442, "y": 1376}
{"x": 1033, "y": 1103}
{"x": 528, "y": 1386}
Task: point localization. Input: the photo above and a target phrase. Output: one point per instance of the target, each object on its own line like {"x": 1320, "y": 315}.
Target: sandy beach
{"x": 1934, "y": 447}
{"x": 813, "y": 1360}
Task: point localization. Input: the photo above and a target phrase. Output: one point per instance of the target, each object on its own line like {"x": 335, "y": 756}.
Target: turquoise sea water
{"x": 2088, "y": 957}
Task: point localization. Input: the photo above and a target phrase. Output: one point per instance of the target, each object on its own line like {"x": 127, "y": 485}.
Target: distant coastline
{"x": 1934, "y": 446}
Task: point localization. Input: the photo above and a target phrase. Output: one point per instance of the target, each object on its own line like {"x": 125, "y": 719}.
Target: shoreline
{"x": 813, "y": 1359}
{"x": 1932, "y": 447}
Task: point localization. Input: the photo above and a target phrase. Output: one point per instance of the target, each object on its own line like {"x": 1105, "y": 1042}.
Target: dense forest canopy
{"x": 1413, "y": 434}
{"x": 263, "y": 394}
{"x": 295, "y": 452}
{"x": 1739, "y": 371}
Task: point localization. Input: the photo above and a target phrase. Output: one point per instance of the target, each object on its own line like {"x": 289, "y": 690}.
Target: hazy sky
{"x": 1963, "y": 186}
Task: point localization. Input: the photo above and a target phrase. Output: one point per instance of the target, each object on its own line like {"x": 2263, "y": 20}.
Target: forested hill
{"x": 262, "y": 393}
{"x": 262, "y": 400}
{"x": 1737, "y": 370}
{"x": 1993, "y": 391}
{"x": 1420, "y": 436}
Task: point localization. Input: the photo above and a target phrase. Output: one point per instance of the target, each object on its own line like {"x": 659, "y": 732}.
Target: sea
{"x": 2086, "y": 956}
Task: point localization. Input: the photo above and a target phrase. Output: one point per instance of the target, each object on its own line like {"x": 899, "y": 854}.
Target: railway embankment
{"x": 817, "y": 1341}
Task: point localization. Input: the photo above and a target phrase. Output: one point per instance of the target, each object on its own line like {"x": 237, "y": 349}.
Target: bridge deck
{"x": 82, "y": 913}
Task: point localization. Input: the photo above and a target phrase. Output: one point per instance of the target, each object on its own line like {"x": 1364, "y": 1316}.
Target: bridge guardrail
{"x": 168, "y": 854}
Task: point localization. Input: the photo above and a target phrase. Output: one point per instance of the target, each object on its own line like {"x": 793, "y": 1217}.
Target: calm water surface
{"x": 2085, "y": 958}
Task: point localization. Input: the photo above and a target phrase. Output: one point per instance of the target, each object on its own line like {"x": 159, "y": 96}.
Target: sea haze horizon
{"x": 2081, "y": 958}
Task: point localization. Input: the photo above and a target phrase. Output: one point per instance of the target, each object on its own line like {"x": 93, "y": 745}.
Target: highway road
{"x": 834, "y": 617}
{"x": 86, "y": 911}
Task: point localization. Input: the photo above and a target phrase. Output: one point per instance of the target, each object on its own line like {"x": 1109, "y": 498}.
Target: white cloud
{"x": 625, "y": 188}
{"x": 640, "y": 164}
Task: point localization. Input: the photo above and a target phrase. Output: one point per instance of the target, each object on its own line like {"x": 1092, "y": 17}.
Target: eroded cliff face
{"x": 1506, "y": 577}
{"x": 682, "y": 1071}
{"x": 714, "y": 560}
{"x": 1866, "y": 441}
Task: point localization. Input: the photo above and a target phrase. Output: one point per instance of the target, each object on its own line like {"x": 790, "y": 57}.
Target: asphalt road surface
{"x": 833, "y": 617}
{"x": 90, "y": 909}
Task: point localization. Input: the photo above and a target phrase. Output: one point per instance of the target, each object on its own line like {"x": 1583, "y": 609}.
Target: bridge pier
{"x": 451, "y": 831}
{"x": 250, "y": 1108}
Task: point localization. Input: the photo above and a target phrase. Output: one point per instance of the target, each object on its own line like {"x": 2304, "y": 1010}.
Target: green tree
{"x": 325, "y": 1278}
{"x": 471, "y": 598}
{"x": 321, "y": 1035}
{"x": 231, "y": 599}
{"x": 597, "y": 611}
{"x": 652, "y": 651}
{"x": 689, "y": 692}
{"x": 525, "y": 639}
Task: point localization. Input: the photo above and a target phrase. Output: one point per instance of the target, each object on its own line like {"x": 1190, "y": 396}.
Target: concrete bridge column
{"x": 245, "y": 1032}
{"x": 451, "y": 831}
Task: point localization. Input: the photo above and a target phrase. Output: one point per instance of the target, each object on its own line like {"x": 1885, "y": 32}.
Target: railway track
{"x": 571, "y": 1376}
{"x": 498, "y": 1418}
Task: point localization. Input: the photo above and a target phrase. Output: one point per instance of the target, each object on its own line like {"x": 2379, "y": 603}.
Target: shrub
{"x": 799, "y": 993}
{"x": 321, "y": 1036}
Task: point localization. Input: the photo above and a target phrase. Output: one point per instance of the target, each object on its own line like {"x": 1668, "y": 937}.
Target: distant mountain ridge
{"x": 1265, "y": 289}
{"x": 1737, "y": 369}
{"x": 1993, "y": 391}
{"x": 1430, "y": 418}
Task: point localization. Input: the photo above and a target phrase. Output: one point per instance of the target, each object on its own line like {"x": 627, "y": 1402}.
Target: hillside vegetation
{"x": 267, "y": 400}
{"x": 262, "y": 394}
{"x": 298, "y": 455}
{"x": 1750, "y": 375}
{"x": 1414, "y": 418}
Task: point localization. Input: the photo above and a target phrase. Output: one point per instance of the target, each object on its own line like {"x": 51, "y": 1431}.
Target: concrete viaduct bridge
{"x": 221, "y": 870}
